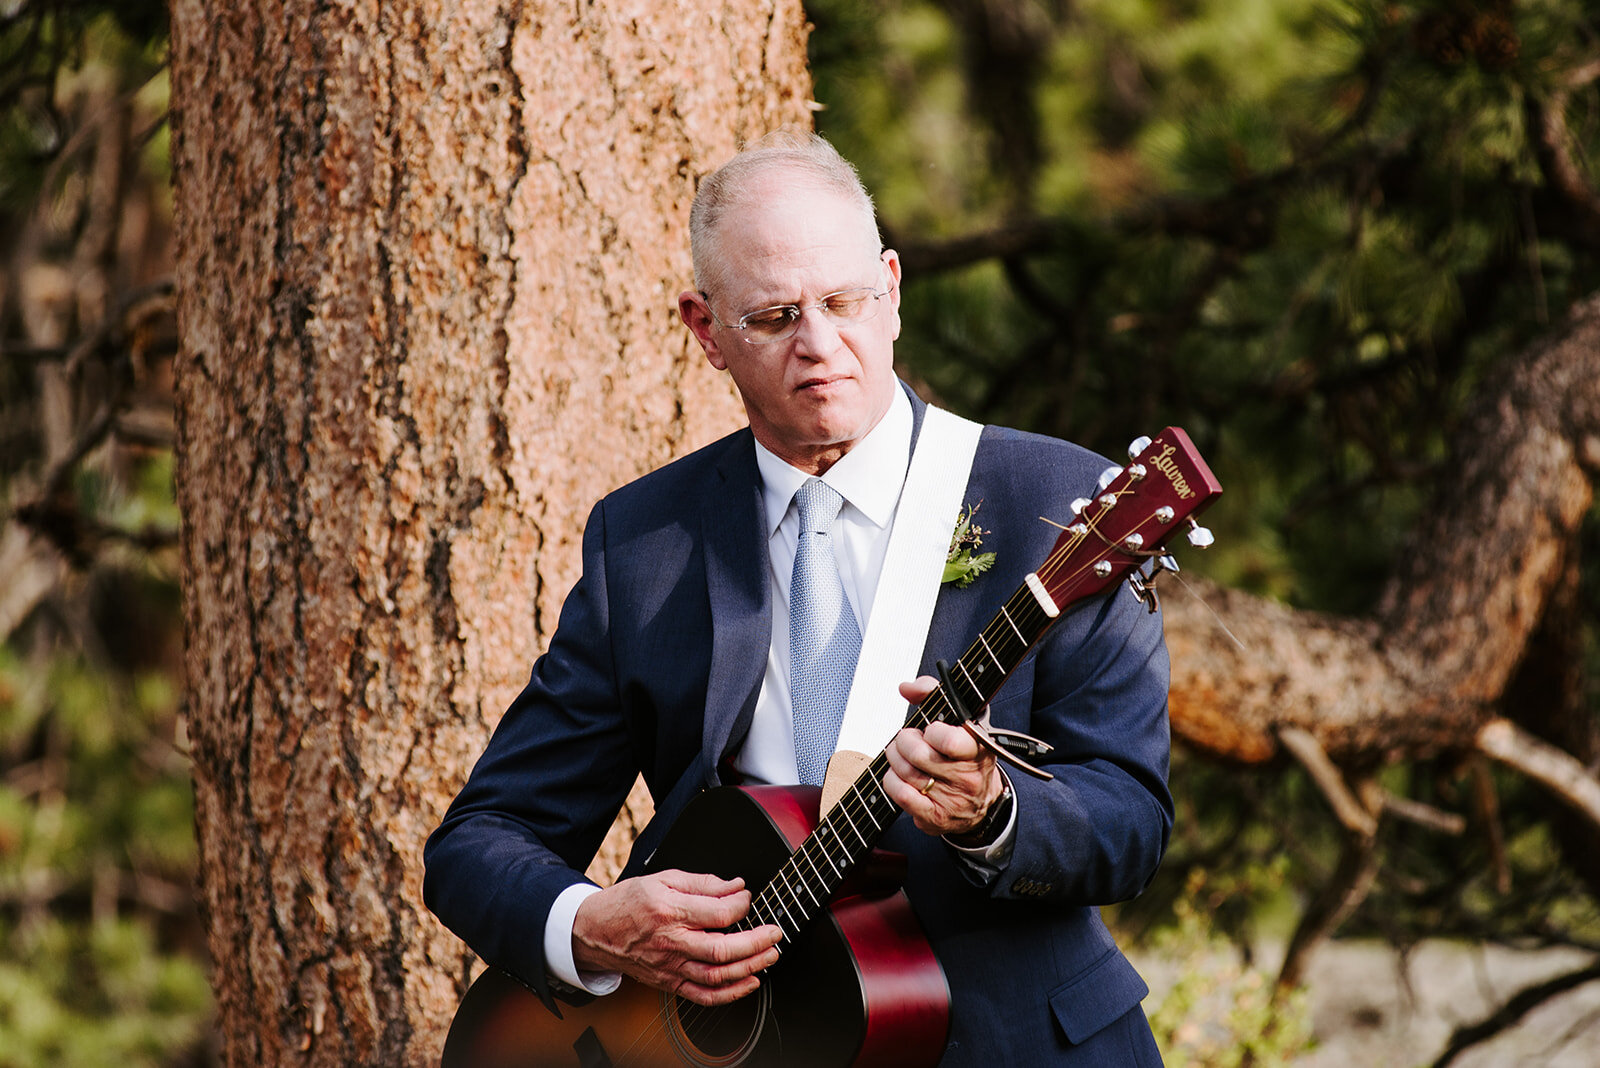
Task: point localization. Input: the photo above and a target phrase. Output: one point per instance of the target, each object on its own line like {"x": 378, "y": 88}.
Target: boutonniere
{"x": 964, "y": 563}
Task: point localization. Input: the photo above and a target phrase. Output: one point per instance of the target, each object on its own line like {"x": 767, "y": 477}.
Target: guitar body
{"x": 859, "y": 986}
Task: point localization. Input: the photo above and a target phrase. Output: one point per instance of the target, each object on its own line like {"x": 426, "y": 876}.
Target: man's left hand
{"x": 941, "y": 777}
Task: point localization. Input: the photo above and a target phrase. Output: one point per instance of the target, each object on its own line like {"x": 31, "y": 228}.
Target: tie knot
{"x": 819, "y": 505}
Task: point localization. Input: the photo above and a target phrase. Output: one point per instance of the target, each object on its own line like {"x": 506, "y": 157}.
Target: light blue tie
{"x": 824, "y": 639}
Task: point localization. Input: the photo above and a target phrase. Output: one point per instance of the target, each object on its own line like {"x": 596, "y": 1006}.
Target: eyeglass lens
{"x": 777, "y": 323}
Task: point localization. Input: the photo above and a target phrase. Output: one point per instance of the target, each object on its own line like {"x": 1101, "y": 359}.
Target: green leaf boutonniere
{"x": 965, "y": 563}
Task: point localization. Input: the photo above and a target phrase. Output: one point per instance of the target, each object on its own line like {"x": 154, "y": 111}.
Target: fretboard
{"x": 844, "y": 837}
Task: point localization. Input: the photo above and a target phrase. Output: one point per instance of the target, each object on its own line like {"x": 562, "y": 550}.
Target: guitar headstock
{"x": 1132, "y": 517}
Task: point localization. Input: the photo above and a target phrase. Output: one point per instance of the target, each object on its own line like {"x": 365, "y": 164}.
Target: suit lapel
{"x": 733, "y": 529}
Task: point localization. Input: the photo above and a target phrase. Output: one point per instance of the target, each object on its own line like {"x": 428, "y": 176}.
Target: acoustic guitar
{"x": 856, "y": 983}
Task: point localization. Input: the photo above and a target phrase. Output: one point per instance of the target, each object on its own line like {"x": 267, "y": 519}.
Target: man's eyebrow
{"x": 763, "y": 303}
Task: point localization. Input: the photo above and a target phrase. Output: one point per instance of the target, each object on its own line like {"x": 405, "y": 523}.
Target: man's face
{"x": 809, "y": 397}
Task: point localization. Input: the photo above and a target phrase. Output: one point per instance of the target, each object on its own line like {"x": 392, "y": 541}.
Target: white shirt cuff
{"x": 558, "y": 943}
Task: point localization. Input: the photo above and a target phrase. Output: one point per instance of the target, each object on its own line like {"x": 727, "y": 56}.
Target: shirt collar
{"x": 869, "y": 476}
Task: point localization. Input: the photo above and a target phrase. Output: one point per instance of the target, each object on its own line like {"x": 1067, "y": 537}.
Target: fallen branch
{"x": 1346, "y": 806}
{"x": 1554, "y": 768}
{"x": 1423, "y": 815}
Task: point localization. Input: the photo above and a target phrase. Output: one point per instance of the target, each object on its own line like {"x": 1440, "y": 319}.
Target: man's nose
{"x": 815, "y": 334}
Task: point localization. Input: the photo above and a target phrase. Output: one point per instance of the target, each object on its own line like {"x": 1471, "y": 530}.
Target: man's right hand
{"x": 665, "y": 930}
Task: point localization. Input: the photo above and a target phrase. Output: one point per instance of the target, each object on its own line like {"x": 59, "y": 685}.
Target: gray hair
{"x": 806, "y": 155}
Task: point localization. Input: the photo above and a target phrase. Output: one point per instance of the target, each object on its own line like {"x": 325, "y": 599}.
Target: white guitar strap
{"x": 913, "y": 567}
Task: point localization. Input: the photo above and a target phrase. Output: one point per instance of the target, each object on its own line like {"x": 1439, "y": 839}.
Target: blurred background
{"x": 1306, "y": 231}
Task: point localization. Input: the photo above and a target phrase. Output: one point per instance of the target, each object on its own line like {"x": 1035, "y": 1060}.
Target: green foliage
{"x": 1302, "y": 231}
{"x": 1221, "y": 1012}
{"x": 76, "y": 995}
{"x": 99, "y": 938}
{"x": 97, "y": 856}
{"x": 52, "y": 53}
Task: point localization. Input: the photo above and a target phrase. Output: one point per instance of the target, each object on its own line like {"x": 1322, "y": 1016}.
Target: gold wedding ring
{"x": 928, "y": 786}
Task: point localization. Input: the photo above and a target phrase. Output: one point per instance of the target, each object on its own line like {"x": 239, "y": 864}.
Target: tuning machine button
{"x": 1199, "y": 536}
{"x": 1137, "y": 446}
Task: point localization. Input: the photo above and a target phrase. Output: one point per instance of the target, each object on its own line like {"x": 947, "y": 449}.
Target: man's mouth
{"x": 821, "y": 381}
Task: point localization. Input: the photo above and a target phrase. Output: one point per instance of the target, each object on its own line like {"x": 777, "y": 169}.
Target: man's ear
{"x": 696, "y": 315}
{"x": 891, "y": 260}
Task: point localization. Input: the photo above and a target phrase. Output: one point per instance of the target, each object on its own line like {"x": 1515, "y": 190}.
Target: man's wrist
{"x": 994, "y": 821}
{"x": 558, "y": 939}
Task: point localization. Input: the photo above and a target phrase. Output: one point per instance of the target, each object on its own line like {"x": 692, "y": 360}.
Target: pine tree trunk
{"x": 427, "y": 259}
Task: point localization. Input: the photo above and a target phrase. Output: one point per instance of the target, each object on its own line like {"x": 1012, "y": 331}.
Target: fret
{"x": 761, "y": 912}
{"x": 853, "y": 828}
{"x": 838, "y": 844}
{"x": 1008, "y": 619}
{"x": 804, "y": 853}
{"x": 783, "y": 874}
{"x": 797, "y": 924}
{"x": 988, "y": 649}
{"x": 962, "y": 665}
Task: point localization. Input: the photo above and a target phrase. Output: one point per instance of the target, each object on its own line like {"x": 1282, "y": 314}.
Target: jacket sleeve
{"x": 1095, "y": 688}
{"x": 540, "y": 799}
{"x": 1096, "y": 833}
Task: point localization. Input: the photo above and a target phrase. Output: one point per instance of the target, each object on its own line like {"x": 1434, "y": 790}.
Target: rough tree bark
{"x": 427, "y": 260}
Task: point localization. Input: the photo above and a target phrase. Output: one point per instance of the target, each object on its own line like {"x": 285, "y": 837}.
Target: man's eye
{"x": 845, "y": 305}
{"x": 769, "y": 319}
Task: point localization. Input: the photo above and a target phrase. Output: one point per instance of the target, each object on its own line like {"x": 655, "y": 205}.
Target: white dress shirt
{"x": 869, "y": 478}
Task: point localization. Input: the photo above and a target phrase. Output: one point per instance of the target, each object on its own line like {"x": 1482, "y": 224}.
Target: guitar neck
{"x": 844, "y": 837}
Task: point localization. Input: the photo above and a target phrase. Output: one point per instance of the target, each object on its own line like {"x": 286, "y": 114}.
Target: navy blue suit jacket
{"x": 655, "y": 667}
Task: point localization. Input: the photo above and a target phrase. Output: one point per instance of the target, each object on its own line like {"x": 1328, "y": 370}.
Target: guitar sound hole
{"x": 718, "y": 1037}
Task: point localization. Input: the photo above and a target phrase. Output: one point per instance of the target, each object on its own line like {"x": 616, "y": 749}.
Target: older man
{"x": 738, "y": 614}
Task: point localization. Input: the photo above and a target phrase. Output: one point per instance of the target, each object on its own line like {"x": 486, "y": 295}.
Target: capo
{"x": 1144, "y": 589}
{"x": 1010, "y": 746}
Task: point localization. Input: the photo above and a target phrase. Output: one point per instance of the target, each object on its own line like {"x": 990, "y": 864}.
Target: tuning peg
{"x": 1108, "y": 475}
{"x": 1137, "y": 446}
{"x": 1080, "y": 504}
{"x": 1199, "y": 536}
